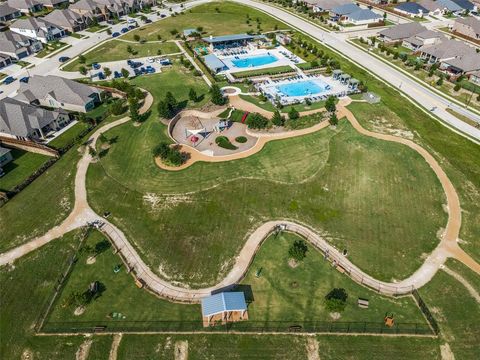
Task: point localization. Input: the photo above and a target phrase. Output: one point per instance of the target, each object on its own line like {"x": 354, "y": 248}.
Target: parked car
{"x": 131, "y": 27}
{"x": 115, "y": 34}
{"x": 150, "y": 69}
{"x": 24, "y": 79}
{"x": 96, "y": 66}
{"x": 124, "y": 30}
{"x": 101, "y": 76}
{"x": 63, "y": 59}
{"x": 9, "y": 80}
{"x": 131, "y": 21}
{"x": 111, "y": 22}
{"x": 150, "y": 60}
{"x": 147, "y": 21}
{"x": 163, "y": 15}
{"x": 137, "y": 72}
{"x": 117, "y": 74}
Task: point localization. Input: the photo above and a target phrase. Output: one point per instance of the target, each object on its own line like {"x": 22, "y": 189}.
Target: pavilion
{"x": 224, "y": 307}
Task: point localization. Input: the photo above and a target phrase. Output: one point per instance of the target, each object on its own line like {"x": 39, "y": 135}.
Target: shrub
{"x": 298, "y": 250}
{"x": 330, "y": 104}
{"x": 168, "y": 107}
{"x": 456, "y": 87}
{"x": 278, "y": 119}
{"x": 192, "y": 95}
{"x": 336, "y": 300}
{"x": 116, "y": 108}
{"x": 225, "y": 143}
{"x": 333, "y": 120}
{"x": 293, "y": 114}
{"x": 170, "y": 155}
{"x": 82, "y": 59}
{"x": 241, "y": 139}
{"x": 136, "y": 37}
{"x": 217, "y": 96}
{"x": 256, "y": 121}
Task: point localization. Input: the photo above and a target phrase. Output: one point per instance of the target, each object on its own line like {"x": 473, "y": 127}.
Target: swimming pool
{"x": 253, "y": 61}
{"x": 302, "y": 88}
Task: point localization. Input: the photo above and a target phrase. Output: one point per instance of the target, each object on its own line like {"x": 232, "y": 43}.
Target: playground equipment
{"x": 196, "y": 129}
{"x": 221, "y": 125}
{"x": 244, "y": 117}
{"x": 389, "y": 320}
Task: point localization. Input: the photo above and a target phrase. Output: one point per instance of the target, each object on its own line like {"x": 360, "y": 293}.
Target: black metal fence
{"x": 426, "y": 312}
{"x": 241, "y": 327}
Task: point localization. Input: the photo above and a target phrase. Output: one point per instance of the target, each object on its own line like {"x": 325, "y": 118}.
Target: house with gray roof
{"x": 445, "y": 50}
{"x": 18, "y": 46}
{"x": 68, "y": 20}
{"x": 59, "y": 93}
{"x": 323, "y": 6}
{"x": 424, "y": 38}
{"x": 338, "y": 12}
{"x": 468, "y": 27}
{"x": 24, "y": 121}
{"x": 462, "y": 65}
{"x": 37, "y": 28}
{"x": 214, "y": 63}
{"x": 400, "y": 32}
{"x": 8, "y": 13}
{"x": 5, "y": 60}
{"x": 55, "y": 4}
{"x": 353, "y": 14}
{"x": 26, "y": 6}
{"x": 90, "y": 9}
{"x": 224, "y": 307}
{"x": 412, "y": 9}
{"x": 442, "y": 7}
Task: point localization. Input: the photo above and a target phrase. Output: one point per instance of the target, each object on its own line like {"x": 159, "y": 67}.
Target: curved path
{"x": 82, "y": 214}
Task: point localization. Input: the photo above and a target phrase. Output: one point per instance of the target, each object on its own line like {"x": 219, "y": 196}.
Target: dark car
{"x": 137, "y": 72}
{"x": 150, "y": 69}
{"x": 163, "y": 15}
{"x": 101, "y": 75}
{"x": 63, "y": 59}
{"x": 111, "y": 22}
{"x": 24, "y": 79}
{"x": 115, "y": 34}
{"x": 96, "y": 66}
{"x": 116, "y": 74}
{"x": 124, "y": 30}
{"x": 147, "y": 21}
{"x": 9, "y": 80}
{"x": 131, "y": 27}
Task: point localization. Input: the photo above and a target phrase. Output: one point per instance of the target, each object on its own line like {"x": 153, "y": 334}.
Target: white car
{"x": 150, "y": 60}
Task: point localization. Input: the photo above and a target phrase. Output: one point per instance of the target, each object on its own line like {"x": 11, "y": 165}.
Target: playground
{"x": 211, "y": 135}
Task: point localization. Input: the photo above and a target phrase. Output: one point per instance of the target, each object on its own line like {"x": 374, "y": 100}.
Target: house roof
{"x": 449, "y": 5}
{"x": 224, "y": 38}
{"x": 403, "y": 31}
{"x": 330, "y": 4}
{"x": 429, "y": 34}
{"x": 63, "y": 18}
{"x": 52, "y": 2}
{"x": 61, "y": 89}
{"x": 88, "y": 5}
{"x": 471, "y": 22}
{"x": 345, "y": 9}
{"x": 213, "y": 62}
{"x": 23, "y": 4}
{"x": 188, "y": 32}
{"x": 6, "y": 9}
{"x": 13, "y": 37}
{"x": 20, "y": 119}
{"x": 448, "y": 49}
{"x": 29, "y": 23}
{"x": 224, "y": 301}
{"x": 465, "y": 4}
{"x": 364, "y": 14}
{"x": 412, "y": 8}
{"x": 466, "y": 63}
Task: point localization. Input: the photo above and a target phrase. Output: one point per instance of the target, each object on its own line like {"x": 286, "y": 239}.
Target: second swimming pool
{"x": 302, "y": 88}
{"x": 253, "y": 61}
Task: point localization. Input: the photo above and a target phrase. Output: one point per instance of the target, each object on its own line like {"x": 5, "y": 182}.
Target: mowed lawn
{"x": 115, "y": 50}
{"x": 23, "y": 165}
{"x": 379, "y": 200}
{"x": 231, "y": 18}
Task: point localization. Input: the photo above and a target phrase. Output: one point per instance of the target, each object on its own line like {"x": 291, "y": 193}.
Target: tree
{"x": 116, "y": 108}
{"x": 136, "y": 37}
{"x": 92, "y": 152}
{"x": 333, "y": 120}
{"x": 83, "y": 70}
{"x": 278, "y": 119}
{"x": 192, "y": 95}
{"x": 133, "y": 108}
{"x": 336, "y": 300}
{"x": 293, "y": 114}
{"x": 129, "y": 49}
{"x": 168, "y": 106}
{"x": 107, "y": 72}
{"x": 217, "y": 96}
{"x": 82, "y": 59}
{"x": 161, "y": 150}
{"x": 102, "y": 138}
{"x": 456, "y": 87}
{"x": 298, "y": 250}
{"x": 125, "y": 73}
{"x": 256, "y": 121}
{"x": 330, "y": 104}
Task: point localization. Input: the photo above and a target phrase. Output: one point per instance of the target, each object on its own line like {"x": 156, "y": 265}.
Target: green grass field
{"x": 230, "y": 16}
{"x": 349, "y": 187}
{"x": 23, "y": 165}
{"x": 117, "y": 50}
{"x": 68, "y": 136}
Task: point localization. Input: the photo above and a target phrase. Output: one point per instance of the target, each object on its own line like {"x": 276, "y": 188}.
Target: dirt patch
{"x": 181, "y": 350}
{"x": 79, "y": 310}
{"x": 114, "y": 349}
{"x": 313, "y": 349}
{"x": 27, "y": 354}
{"x": 292, "y": 263}
{"x": 83, "y": 350}
{"x": 91, "y": 260}
{"x": 446, "y": 352}
{"x": 335, "y": 315}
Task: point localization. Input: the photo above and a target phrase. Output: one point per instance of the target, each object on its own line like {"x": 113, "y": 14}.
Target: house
{"x": 412, "y": 9}
{"x": 425, "y": 38}
{"x": 353, "y": 14}
{"x": 67, "y": 20}
{"x": 37, "y": 28}
{"x": 224, "y": 307}
{"x": 55, "y": 4}
{"x": 468, "y": 27}
{"x": 475, "y": 77}
{"x": 466, "y": 5}
{"x": 18, "y": 46}
{"x": 400, "y": 32}
{"x": 445, "y": 50}
{"x": 112, "y": 8}
{"x": 24, "y": 121}
{"x": 338, "y": 13}
{"x": 90, "y": 9}
{"x": 5, "y": 60}
{"x": 462, "y": 65}
{"x": 26, "y": 7}
{"x": 190, "y": 34}
{"x": 8, "y": 13}
{"x": 441, "y": 7}
{"x": 324, "y": 6}
{"x": 57, "y": 92}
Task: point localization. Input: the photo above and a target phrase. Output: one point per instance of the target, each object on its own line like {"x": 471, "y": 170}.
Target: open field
{"x": 349, "y": 187}
{"x": 229, "y": 16}
{"x": 23, "y": 165}
{"x": 114, "y": 50}
{"x": 69, "y": 136}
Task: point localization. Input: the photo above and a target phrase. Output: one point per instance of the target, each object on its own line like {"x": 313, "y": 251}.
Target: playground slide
{"x": 244, "y": 117}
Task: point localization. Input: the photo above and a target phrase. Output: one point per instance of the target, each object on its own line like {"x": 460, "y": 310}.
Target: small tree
{"x": 116, "y": 108}
{"x": 336, "y": 300}
{"x": 103, "y": 139}
{"x": 136, "y": 37}
{"x": 82, "y": 59}
{"x": 133, "y": 108}
{"x": 92, "y": 152}
{"x": 278, "y": 119}
{"x": 107, "y": 72}
{"x": 129, "y": 49}
{"x": 217, "y": 96}
{"x": 333, "y": 120}
{"x": 330, "y": 104}
{"x": 125, "y": 73}
{"x": 192, "y": 95}
{"x": 298, "y": 250}
{"x": 83, "y": 70}
{"x": 293, "y": 114}
{"x": 456, "y": 87}
{"x": 256, "y": 121}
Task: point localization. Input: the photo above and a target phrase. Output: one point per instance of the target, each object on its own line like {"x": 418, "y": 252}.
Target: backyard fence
{"x": 333, "y": 327}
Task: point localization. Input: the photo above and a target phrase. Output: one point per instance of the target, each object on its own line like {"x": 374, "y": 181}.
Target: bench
{"x": 362, "y": 303}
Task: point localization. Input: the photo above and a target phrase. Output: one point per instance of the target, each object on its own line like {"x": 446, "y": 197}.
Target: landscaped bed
{"x": 225, "y": 143}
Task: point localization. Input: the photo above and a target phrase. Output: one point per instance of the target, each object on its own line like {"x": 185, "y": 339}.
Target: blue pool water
{"x": 253, "y": 61}
{"x": 301, "y": 88}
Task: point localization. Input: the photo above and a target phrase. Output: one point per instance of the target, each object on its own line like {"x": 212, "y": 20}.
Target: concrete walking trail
{"x": 82, "y": 214}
